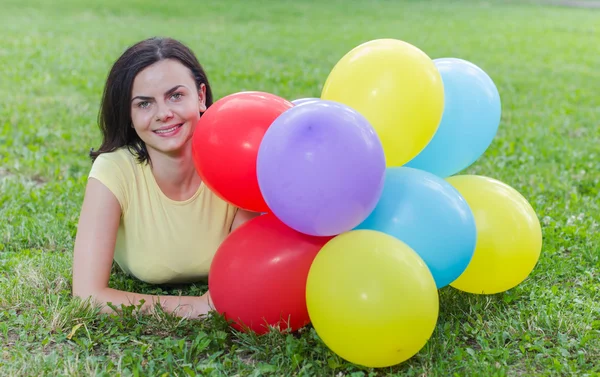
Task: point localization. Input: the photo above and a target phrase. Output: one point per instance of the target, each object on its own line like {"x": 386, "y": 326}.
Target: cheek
{"x": 192, "y": 111}
{"x": 141, "y": 119}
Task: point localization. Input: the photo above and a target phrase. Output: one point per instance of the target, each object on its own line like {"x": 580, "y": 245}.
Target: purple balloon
{"x": 302, "y": 101}
{"x": 321, "y": 168}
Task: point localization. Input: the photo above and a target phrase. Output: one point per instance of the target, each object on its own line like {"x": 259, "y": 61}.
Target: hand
{"x": 203, "y": 305}
{"x": 209, "y": 300}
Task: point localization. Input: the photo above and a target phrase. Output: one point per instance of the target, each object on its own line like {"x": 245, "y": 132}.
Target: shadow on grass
{"x": 122, "y": 281}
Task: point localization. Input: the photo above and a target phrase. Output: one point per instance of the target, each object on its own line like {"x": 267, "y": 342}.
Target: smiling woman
{"x": 162, "y": 116}
{"x": 145, "y": 206}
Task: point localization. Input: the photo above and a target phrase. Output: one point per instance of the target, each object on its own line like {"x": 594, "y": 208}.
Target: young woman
{"x": 145, "y": 206}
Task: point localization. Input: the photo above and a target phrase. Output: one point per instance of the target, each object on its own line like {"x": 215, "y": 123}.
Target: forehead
{"x": 161, "y": 76}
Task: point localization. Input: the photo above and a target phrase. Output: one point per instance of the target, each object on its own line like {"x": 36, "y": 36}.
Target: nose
{"x": 163, "y": 113}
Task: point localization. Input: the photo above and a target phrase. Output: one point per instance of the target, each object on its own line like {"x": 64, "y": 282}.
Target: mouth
{"x": 168, "y": 131}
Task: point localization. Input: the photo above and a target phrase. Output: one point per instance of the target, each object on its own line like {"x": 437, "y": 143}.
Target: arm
{"x": 241, "y": 217}
{"x": 93, "y": 257}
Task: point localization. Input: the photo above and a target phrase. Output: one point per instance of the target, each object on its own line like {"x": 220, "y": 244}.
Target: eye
{"x": 143, "y": 104}
{"x": 177, "y": 95}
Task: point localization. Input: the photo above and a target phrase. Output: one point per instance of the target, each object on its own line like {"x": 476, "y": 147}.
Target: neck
{"x": 175, "y": 174}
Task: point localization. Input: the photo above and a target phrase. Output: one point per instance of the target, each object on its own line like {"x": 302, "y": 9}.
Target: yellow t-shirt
{"x": 161, "y": 240}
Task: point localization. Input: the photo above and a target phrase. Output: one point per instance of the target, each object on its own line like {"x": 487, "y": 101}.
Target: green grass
{"x": 54, "y": 60}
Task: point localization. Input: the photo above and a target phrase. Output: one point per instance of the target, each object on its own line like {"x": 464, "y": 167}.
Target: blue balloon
{"x": 469, "y": 123}
{"x": 301, "y": 101}
{"x": 429, "y": 215}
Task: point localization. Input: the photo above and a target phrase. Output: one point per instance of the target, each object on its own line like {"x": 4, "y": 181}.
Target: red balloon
{"x": 258, "y": 275}
{"x": 226, "y": 141}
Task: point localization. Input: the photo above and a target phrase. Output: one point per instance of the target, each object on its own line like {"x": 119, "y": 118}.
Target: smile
{"x": 170, "y": 130}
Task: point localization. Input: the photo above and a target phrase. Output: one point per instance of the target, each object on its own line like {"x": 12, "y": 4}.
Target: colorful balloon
{"x": 371, "y": 298}
{"x": 301, "y": 101}
{"x": 258, "y": 276}
{"x": 226, "y": 141}
{"x": 429, "y": 215}
{"x": 469, "y": 123}
{"x": 321, "y": 168}
{"x": 509, "y": 236}
{"x": 397, "y": 88}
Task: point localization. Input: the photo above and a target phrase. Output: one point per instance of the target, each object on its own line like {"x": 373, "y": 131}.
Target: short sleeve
{"x": 107, "y": 169}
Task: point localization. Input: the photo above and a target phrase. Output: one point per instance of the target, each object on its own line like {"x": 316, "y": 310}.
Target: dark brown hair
{"x": 114, "y": 118}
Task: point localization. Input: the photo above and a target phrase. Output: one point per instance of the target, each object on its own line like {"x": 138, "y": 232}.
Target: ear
{"x": 202, "y": 98}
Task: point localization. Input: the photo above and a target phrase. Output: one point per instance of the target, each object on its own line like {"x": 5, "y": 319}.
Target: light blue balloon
{"x": 469, "y": 122}
{"x": 429, "y": 215}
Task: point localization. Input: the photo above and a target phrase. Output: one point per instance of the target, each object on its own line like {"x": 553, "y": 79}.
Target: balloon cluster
{"x": 364, "y": 219}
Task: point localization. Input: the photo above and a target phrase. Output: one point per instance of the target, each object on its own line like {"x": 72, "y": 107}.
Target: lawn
{"x": 54, "y": 60}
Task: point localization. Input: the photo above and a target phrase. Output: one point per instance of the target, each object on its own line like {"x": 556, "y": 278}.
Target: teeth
{"x": 167, "y": 130}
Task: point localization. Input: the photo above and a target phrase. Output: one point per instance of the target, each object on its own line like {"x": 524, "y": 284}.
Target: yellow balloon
{"x": 397, "y": 88}
{"x": 371, "y": 298}
{"x": 509, "y": 235}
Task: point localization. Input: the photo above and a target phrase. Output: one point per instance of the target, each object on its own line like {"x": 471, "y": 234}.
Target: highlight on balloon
{"x": 367, "y": 213}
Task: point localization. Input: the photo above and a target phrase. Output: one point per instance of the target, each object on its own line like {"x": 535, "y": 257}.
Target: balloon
{"x": 258, "y": 275}
{"x": 469, "y": 123}
{"x": 397, "y": 88}
{"x": 371, "y": 298}
{"x": 321, "y": 168}
{"x": 226, "y": 141}
{"x": 430, "y": 216}
{"x": 509, "y": 235}
{"x": 301, "y": 101}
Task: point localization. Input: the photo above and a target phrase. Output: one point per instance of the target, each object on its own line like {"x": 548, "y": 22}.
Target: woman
{"x": 145, "y": 206}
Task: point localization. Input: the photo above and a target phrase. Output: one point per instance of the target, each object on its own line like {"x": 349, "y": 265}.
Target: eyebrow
{"x": 144, "y": 98}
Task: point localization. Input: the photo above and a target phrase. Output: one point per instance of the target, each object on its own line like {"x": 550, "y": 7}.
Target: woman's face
{"x": 166, "y": 106}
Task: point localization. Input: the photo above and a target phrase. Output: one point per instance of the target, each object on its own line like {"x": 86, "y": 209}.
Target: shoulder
{"x": 121, "y": 161}
{"x": 121, "y": 157}
{"x": 117, "y": 171}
